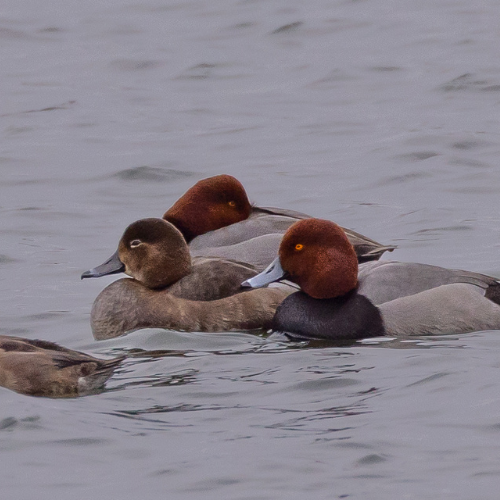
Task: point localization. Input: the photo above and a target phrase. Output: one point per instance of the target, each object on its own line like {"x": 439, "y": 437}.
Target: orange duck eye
{"x": 299, "y": 246}
{"x": 232, "y": 204}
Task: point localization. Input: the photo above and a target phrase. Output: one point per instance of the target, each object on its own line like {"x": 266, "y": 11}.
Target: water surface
{"x": 382, "y": 116}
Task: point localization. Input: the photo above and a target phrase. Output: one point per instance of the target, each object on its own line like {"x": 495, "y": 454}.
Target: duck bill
{"x": 273, "y": 272}
{"x": 112, "y": 266}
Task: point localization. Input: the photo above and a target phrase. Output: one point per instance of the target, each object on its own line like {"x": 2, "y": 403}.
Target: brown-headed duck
{"x": 168, "y": 290}
{"x": 41, "y": 368}
{"x": 338, "y": 302}
{"x": 154, "y": 252}
{"x": 217, "y": 220}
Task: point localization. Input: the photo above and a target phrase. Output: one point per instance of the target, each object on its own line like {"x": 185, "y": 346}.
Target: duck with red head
{"x": 217, "y": 220}
{"x": 210, "y": 204}
{"x": 320, "y": 260}
{"x": 340, "y": 302}
{"x": 169, "y": 290}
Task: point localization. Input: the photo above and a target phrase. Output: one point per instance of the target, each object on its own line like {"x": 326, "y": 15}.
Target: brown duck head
{"x": 152, "y": 251}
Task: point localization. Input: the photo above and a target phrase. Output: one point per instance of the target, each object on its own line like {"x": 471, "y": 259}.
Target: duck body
{"x": 384, "y": 281}
{"x": 127, "y": 305}
{"x": 261, "y": 221}
{"x": 341, "y": 319}
{"x": 447, "y": 308}
{"x": 256, "y": 252}
{"x": 41, "y": 368}
{"x": 217, "y": 220}
{"x": 211, "y": 279}
{"x": 384, "y": 298}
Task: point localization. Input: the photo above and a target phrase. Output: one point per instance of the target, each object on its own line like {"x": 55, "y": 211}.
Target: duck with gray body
{"x": 452, "y": 308}
{"x": 387, "y": 298}
{"x": 217, "y": 220}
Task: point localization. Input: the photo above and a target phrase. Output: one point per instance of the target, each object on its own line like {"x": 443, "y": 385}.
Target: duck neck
{"x": 183, "y": 226}
{"x": 327, "y": 281}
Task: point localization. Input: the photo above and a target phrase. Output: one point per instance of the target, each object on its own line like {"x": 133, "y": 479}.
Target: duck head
{"x": 210, "y": 204}
{"x": 317, "y": 255}
{"x": 152, "y": 251}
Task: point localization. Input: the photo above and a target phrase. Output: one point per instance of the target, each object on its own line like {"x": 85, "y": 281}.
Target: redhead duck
{"x": 216, "y": 219}
{"x": 168, "y": 290}
{"x": 41, "y": 368}
{"x": 337, "y": 302}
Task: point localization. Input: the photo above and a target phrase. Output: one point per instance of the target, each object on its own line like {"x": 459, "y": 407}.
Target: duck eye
{"x": 299, "y": 246}
{"x": 135, "y": 243}
{"x": 232, "y": 203}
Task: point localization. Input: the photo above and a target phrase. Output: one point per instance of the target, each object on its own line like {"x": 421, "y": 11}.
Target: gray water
{"x": 381, "y": 115}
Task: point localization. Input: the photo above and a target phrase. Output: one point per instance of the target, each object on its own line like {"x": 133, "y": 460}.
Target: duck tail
{"x": 375, "y": 253}
{"x": 493, "y": 292}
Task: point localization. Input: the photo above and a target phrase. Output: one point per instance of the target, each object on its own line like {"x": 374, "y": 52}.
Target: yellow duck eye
{"x": 299, "y": 246}
{"x": 232, "y": 203}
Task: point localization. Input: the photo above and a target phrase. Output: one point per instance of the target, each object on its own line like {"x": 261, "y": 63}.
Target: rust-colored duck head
{"x": 317, "y": 255}
{"x": 210, "y": 204}
{"x": 152, "y": 251}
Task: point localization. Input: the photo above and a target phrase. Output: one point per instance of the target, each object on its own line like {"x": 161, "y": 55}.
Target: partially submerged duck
{"x": 41, "y": 368}
{"x": 168, "y": 290}
{"x": 216, "y": 219}
{"x": 338, "y": 302}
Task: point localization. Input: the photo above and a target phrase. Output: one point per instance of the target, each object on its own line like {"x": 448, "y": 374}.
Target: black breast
{"x": 350, "y": 317}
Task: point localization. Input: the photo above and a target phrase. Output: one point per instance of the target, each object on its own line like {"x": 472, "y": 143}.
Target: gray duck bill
{"x": 112, "y": 266}
{"x": 273, "y": 272}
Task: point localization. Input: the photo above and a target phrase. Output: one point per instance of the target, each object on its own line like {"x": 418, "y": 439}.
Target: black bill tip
{"x": 112, "y": 266}
{"x": 273, "y": 272}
